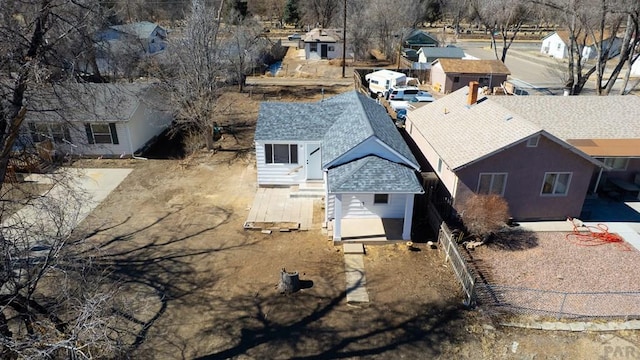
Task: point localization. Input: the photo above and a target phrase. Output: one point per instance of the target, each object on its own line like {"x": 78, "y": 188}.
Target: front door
{"x": 323, "y": 51}
{"x": 314, "y": 162}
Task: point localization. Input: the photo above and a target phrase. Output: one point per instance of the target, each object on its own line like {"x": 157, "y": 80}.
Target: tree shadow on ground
{"x": 513, "y": 239}
{"x": 153, "y": 271}
{"x": 307, "y": 325}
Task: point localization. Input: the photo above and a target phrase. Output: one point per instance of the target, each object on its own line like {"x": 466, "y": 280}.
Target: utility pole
{"x": 344, "y": 38}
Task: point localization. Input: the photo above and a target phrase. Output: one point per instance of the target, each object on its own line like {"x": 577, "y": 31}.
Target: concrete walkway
{"x": 354, "y": 270}
{"x": 74, "y": 195}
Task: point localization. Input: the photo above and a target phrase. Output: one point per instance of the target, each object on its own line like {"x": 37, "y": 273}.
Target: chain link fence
{"x": 502, "y": 300}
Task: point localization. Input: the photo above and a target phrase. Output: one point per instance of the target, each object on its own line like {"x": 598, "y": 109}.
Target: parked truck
{"x": 382, "y": 80}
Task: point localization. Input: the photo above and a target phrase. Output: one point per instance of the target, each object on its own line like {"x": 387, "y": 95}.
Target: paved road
{"x": 527, "y": 67}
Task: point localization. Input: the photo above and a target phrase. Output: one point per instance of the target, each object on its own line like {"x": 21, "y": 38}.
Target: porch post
{"x": 337, "y": 217}
{"x": 595, "y": 187}
{"x": 408, "y": 217}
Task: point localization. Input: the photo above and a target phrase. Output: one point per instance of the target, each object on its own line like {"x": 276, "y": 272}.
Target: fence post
{"x": 564, "y": 298}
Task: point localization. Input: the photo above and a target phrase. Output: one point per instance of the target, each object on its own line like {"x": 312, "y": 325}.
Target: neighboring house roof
{"x": 323, "y": 35}
{"x": 363, "y": 118}
{"x": 598, "y": 118}
{"x": 142, "y": 29}
{"x": 459, "y": 66}
{"x": 565, "y": 36}
{"x": 90, "y": 102}
{"x": 418, "y": 37}
{"x": 373, "y": 174}
{"x": 442, "y": 52}
{"x": 463, "y": 134}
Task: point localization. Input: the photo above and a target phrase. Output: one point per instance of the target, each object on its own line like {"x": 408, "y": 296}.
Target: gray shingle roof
{"x": 373, "y": 174}
{"x": 579, "y": 117}
{"x": 141, "y": 29}
{"x": 88, "y": 102}
{"x": 462, "y": 134}
{"x": 341, "y": 122}
{"x": 279, "y": 121}
{"x": 363, "y": 119}
{"x": 442, "y": 52}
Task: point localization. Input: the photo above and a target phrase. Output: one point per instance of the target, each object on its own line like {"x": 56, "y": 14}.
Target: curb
{"x": 577, "y": 326}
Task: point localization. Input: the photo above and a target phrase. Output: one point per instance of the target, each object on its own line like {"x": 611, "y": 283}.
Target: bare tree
{"x": 54, "y": 301}
{"x": 321, "y": 12}
{"x": 242, "y": 47}
{"x": 197, "y": 72}
{"x": 502, "y": 18}
{"x": 596, "y": 24}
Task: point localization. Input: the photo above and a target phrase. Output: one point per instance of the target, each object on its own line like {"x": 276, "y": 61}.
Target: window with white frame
{"x": 281, "y": 153}
{"x": 556, "y": 183}
{"x": 533, "y": 141}
{"x": 492, "y": 183}
{"x": 101, "y": 133}
{"x": 49, "y": 131}
{"x": 615, "y": 163}
{"x": 381, "y": 198}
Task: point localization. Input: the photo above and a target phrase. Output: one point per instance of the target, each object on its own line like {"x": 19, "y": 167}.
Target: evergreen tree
{"x": 291, "y": 14}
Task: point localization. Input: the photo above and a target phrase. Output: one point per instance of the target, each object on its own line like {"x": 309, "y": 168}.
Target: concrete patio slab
{"x": 371, "y": 230}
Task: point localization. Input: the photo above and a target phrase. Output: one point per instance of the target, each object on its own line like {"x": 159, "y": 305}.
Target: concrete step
{"x": 306, "y": 191}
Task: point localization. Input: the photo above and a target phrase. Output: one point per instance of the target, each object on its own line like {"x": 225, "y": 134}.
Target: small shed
{"x": 448, "y": 75}
{"x": 323, "y": 44}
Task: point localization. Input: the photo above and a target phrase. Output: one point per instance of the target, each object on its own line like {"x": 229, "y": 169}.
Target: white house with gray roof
{"x": 96, "y": 119}
{"x": 347, "y": 143}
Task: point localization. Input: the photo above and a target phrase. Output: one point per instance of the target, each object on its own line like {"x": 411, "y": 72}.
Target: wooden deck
{"x": 274, "y": 209}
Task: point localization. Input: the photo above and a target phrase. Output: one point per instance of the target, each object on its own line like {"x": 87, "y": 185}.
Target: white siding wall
{"x": 316, "y": 55}
{"x": 448, "y": 177}
{"x": 438, "y": 76}
{"x": 554, "y": 46}
{"x": 79, "y": 138}
{"x": 362, "y": 206}
{"x": 145, "y": 124}
{"x": 280, "y": 174}
{"x": 635, "y": 68}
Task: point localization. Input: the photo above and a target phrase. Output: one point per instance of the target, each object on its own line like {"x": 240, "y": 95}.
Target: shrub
{"x": 484, "y": 214}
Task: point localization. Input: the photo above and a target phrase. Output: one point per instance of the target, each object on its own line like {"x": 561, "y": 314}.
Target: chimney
{"x": 472, "y": 98}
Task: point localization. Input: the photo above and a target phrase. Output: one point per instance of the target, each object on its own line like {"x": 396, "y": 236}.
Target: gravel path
{"x": 549, "y": 265}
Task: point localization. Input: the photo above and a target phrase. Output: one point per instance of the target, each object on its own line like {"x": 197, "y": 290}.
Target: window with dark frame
{"x": 381, "y": 198}
{"x": 313, "y": 47}
{"x": 281, "y": 153}
{"x": 456, "y": 79}
{"x": 101, "y": 133}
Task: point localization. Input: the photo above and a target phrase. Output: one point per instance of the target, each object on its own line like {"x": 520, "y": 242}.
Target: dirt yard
{"x": 174, "y": 229}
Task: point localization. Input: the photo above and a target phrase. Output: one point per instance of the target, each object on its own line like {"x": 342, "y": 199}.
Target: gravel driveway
{"x": 544, "y": 272}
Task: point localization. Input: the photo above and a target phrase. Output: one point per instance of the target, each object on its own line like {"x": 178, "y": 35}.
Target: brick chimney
{"x": 472, "y": 98}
